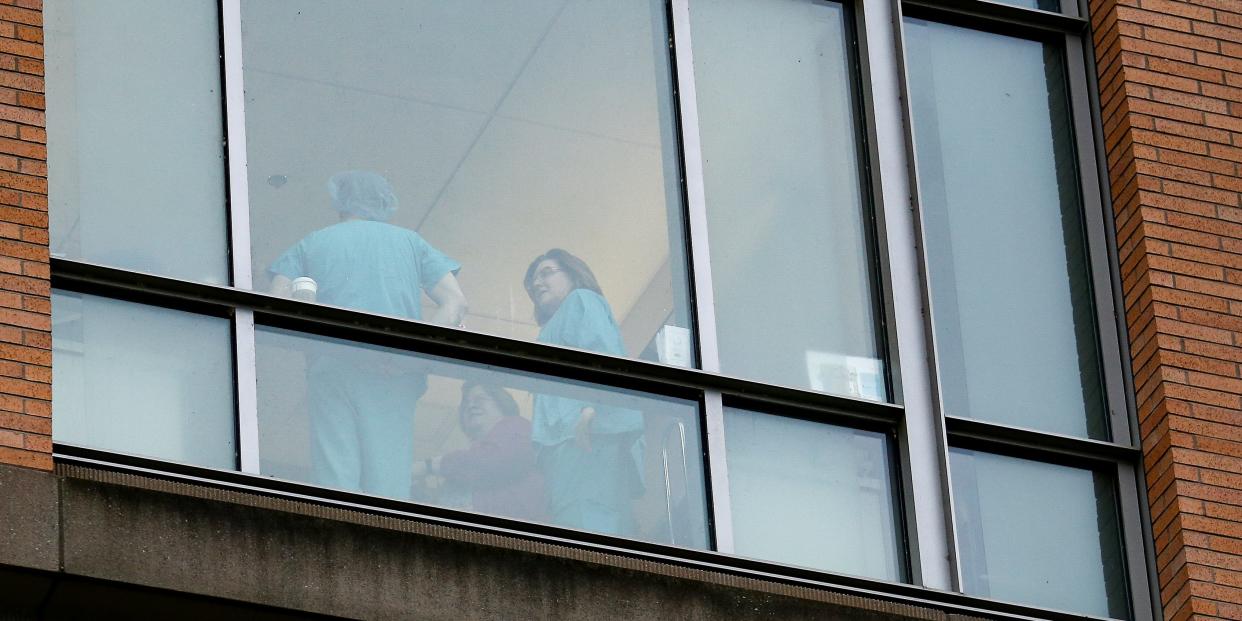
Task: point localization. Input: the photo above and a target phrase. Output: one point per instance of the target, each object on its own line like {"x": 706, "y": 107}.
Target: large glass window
{"x": 787, "y": 214}
{"x": 416, "y": 158}
{"x": 135, "y": 137}
{"x": 1010, "y": 284}
{"x": 1040, "y": 533}
{"x": 142, "y": 380}
{"x": 810, "y": 494}
{"x": 516, "y": 169}
{"x": 532, "y": 447}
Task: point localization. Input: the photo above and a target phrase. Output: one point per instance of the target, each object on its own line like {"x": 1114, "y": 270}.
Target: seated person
{"x": 497, "y": 470}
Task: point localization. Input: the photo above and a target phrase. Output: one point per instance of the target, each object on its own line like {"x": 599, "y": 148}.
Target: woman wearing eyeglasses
{"x": 590, "y": 454}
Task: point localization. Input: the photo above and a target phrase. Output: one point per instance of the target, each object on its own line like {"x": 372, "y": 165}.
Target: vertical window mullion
{"x": 1108, "y": 326}
{"x": 922, "y": 437}
{"x": 721, "y": 503}
{"x": 704, "y": 299}
{"x": 247, "y": 390}
{"x": 1135, "y": 541}
{"x": 235, "y": 116}
{"x": 239, "y": 236}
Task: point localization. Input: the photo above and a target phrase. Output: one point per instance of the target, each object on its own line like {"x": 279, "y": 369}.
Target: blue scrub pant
{"x": 362, "y": 429}
{"x": 591, "y": 490}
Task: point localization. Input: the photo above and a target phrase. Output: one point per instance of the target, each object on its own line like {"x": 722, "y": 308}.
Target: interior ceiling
{"x": 505, "y": 129}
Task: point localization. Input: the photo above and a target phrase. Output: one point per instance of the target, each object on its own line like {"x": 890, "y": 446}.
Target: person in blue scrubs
{"x": 590, "y": 454}
{"x": 362, "y": 401}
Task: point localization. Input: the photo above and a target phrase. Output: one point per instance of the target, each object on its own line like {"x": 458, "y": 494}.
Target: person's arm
{"x": 282, "y": 285}
{"x": 451, "y": 301}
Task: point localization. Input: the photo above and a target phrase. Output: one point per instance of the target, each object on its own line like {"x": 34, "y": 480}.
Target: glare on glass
{"x": 419, "y": 159}
{"x": 1043, "y": 5}
{"x": 1038, "y": 533}
{"x": 1010, "y": 283}
{"x": 453, "y": 434}
{"x": 135, "y": 148}
{"x": 125, "y": 380}
{"x": 792, "y": 270}
{"x": 811, "y": 494}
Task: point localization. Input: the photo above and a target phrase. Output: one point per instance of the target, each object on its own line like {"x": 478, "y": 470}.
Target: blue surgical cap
{"x": 363, "y": 194}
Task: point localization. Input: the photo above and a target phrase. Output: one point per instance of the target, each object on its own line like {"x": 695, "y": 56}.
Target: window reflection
{"x": 503, "y": 129}
{"x": 787, "y": 210}
{"x": 1039, "y": 533}
{"x": 811, "y": 494}
{"x": 136, "y": 147}
{"x": 108, "y": 351}
{"x": 396, "y": 424}
{"x": 1016, "y": 339}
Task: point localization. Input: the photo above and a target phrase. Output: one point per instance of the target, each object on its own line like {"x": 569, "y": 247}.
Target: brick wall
{"x": 1171, "y": 94}
{"x": 25, "y": 289}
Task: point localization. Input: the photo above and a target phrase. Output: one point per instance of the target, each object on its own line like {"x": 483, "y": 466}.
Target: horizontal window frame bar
{"x": 974, "y": 434}
{"x": 996, "y": 17}
{"x": 472, "y": 347}
{"x": 707, "y": 560}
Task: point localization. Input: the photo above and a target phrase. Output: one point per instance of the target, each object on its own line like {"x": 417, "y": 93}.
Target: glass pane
{"x": 1043, "y": 5}
{"x": 810, "y": 494}
{"x": 401, "y": 150}
{"x": 108, "y": 351}
{"x": 521, "y": 445}
{"x": 791, "y": 261}
{"x": 1010, "y": 284}
{"x": 1038, "y": 533}
{"x": 135, "y": 148}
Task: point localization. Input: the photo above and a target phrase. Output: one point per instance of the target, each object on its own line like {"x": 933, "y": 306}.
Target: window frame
{"x": 1121, "y": 453}
{"x": 913, "y": 420}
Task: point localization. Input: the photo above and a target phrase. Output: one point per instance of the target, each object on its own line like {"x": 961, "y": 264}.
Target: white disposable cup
{"x": 305, "y": 289}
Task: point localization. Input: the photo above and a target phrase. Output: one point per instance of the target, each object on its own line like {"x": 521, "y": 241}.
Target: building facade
{"x": 924, "y": 309}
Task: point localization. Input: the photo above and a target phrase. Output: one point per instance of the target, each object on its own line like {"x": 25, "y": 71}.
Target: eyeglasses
{"x": 544, "y": 274}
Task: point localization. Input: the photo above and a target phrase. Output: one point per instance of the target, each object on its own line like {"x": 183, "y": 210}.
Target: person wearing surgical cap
{"x": 362, "y": 401}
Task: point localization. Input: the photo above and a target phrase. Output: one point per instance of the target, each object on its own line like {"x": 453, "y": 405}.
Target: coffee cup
{"x": 305, "y": 289}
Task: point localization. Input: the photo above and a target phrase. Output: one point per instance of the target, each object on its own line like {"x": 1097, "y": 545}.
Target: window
{"x": 645, "y": 275}
{"x": 1027, "y": 367}
{"x": 491, "y": 133}
{"x": 1039, "y": 532}
{"x": 786, "y": 200}
{"x": 391, "y": 423}
{"x": 109, "y": 121}
{"x": 1010, "y": 283}
{"x": 810, "y": 494}
{"x": 125, "y": 380}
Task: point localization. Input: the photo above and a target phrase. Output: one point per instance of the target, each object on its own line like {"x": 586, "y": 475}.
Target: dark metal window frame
{"x": 248, "y": 308}
{"x": 1121, "y": 456}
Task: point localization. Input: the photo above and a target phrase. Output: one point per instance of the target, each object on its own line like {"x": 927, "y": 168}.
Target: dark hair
{"x": 579, "y": 272}
{"x": 504, "y": 400}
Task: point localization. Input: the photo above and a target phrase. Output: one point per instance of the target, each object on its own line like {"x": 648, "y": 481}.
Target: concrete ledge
{"x": 329, "y": 567}
{"x": 29, "y": 518}
{"x": 157, "y": 542}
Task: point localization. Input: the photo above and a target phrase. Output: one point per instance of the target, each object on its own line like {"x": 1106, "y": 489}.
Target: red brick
{"x": 31, "y": 32}
{"x": 1183, "y": 9}
{"x": 27, "y": 423}
{"x": 25, "y": 116}
{"x": 38, "y": 443}
{"x": 1181, "y": 39}
{"x": 1216, "y": 31}
{"x": 1197, "y": 162}
{"x": 29, "y": 459}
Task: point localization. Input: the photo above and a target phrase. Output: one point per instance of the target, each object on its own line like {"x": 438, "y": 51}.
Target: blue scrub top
{"x": 367, "y": 265}
{"x": 583, "y": 320}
